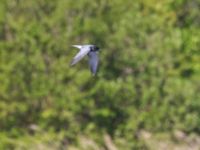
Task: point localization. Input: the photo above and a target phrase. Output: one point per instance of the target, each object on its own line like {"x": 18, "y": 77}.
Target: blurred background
{"x": 147, "y": 91}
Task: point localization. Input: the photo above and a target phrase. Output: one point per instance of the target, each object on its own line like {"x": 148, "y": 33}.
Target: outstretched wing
{"x": 83, "y": 51}
{"x": 93, "y": 61}
{"x": 78, "y": 46}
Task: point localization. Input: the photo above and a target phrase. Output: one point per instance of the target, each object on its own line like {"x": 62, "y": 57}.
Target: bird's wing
{"x": 77, "y": 46}
{"x": 83, "y": 51}
{"x": 93, "y": 61}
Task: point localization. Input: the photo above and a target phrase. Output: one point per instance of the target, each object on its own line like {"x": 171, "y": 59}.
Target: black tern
{"x": 92, "y": 52}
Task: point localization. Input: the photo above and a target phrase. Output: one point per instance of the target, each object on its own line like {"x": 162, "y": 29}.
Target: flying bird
{"x": 92, "y": 52}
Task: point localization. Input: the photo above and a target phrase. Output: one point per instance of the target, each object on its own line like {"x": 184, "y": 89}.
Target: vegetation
{"x": 148, "y": 80}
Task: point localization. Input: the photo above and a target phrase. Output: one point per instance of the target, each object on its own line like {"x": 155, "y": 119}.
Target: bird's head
{"x": 95, "y": 48}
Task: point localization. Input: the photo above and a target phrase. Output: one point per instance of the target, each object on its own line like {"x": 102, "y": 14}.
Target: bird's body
{"x": 92, "y": 52}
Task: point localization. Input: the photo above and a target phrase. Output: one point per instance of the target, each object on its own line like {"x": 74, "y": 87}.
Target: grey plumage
{"x": 92, "y": 52}
{"x": 93, "y": 61}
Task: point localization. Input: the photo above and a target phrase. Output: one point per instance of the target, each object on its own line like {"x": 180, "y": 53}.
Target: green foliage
{"x": 148, "y": 77}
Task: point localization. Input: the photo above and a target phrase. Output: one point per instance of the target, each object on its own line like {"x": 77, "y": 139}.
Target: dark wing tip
{"x": 93, "y": 71}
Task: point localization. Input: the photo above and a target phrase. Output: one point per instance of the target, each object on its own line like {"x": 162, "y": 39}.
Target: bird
{"x": 92, "y": 52}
